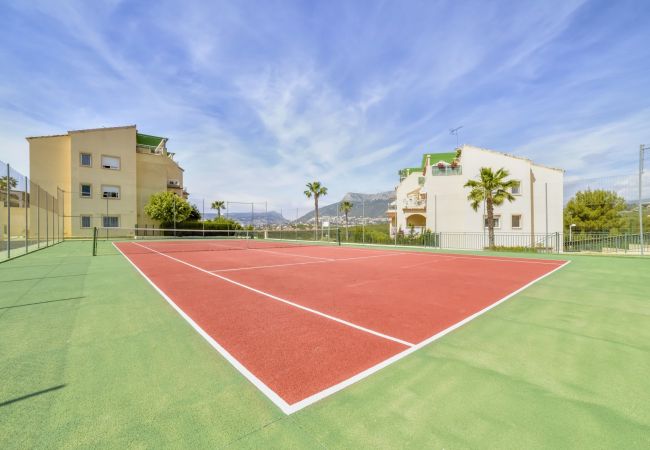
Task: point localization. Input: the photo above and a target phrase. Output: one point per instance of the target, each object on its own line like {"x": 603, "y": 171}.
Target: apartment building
{"x": 107, "y": 175}
{"x": 432, "y": 196}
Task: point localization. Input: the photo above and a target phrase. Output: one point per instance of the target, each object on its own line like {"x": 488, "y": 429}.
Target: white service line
{"x": 282, "y": 300}
{"x": 291, "y": 254}
{"x": 431, "y": 251}
{"x": 271, "y": 266}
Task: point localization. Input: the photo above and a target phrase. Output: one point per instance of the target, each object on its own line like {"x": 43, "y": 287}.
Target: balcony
{"x": 446, "y": 171}
{"x": 414, "y": 203}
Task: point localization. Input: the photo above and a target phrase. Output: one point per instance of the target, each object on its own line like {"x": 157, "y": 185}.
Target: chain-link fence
{"x": 30, "y": 217}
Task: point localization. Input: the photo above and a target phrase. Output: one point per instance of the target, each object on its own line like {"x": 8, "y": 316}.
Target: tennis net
{"x": 106, "y": 241}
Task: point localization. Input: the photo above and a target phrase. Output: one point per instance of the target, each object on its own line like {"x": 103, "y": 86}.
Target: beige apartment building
{"x": 107, "y": 175}
{"x": 432, "y": 197}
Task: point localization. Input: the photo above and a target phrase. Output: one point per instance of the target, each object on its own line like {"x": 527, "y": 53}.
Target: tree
{"x": 226, "y": 223}
{"x": 597, "y": 210}
{"x": 195, "y": 214}
{"x": 315, "y": 189}
{"x": 3, "y": 183}
{"x": 218, "y": 205}
{"x": 493, "y": 189}
{"x": 346, "y": 207}
{"x": 167, "y": 208}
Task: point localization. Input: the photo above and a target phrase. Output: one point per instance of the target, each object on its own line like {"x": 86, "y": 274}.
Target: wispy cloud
{"x": 259, "y": 98}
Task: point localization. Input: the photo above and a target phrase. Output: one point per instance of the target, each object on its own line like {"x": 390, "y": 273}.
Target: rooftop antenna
{"x": 454, "y": 132}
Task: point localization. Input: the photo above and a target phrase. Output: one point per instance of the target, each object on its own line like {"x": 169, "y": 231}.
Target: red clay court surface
{"x": 302, "y": 323}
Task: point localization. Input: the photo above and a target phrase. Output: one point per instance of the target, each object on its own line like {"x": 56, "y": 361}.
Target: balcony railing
{"x": 148, "y": 149}
{"x": 411, "y": 203}
{"x": 446, "y": 171}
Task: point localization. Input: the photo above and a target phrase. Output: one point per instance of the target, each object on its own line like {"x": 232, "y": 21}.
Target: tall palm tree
{"x": 315, "y": 189}
{"x": 218, "y": 205}
{"x": 346, "y": 207}
{"x": 493, "y": 189}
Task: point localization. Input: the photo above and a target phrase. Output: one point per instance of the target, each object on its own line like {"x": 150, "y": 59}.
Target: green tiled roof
{"x": 146, "y": 139}
{"x": 409, "y": 170}
{"x": 435, "y": 159}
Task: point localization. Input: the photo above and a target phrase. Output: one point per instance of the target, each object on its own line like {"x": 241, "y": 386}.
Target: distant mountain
{"x": 259, "y": 219}
{"x": 370, "y": 206}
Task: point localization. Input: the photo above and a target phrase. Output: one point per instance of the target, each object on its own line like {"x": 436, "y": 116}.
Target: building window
{"x": 86, "y": 160}
{"x": 111, "y": 221}
{"x": 516, "y": 190}
{"x": 110, "y": 162}
{"x": 85, "y": 221}
{"x": 86, "y": 190}
{"x": 495, "y": 219}
{"x": 516, "y": 221}
{"x": 111, "y": 192}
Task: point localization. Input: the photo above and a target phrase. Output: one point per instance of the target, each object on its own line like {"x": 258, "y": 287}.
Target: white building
{"x": 432, "y": 197}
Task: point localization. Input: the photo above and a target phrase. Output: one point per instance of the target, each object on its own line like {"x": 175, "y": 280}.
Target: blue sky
{"x": 259, "y": 97}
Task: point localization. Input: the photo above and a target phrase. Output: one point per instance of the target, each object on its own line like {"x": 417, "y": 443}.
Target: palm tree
{"x": 218, "y": 205}
{"x": 493, "y": 189}
{"x": 315, "y": 189}
{"x": 346, "y": 207}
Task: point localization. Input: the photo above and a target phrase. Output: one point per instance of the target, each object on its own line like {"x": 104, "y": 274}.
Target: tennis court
{"x": 302, "y": 322}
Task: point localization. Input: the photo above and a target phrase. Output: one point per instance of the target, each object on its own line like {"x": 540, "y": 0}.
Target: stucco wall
{"x": 153, "y": 173}
{"x": 49, "y": 167}
{"x": 449, "y": 211}
{"x": 114, "y": 142}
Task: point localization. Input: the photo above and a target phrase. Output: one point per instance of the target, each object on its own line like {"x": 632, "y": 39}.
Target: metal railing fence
{"x": 30, "y": 217}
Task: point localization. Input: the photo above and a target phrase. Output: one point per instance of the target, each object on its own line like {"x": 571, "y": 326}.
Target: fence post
{"x": 47, "y": 222}
{"x": 26, "y": 217}
{"x": 61, "y": 215}
{"x": 38, "y": 216}
{"x": 363, "y": 220}
{"x": 641, "y": 242}
{"x": 8, "y": 189}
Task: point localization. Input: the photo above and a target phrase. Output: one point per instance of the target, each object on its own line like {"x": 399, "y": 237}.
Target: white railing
{"x": 413, "y": 203}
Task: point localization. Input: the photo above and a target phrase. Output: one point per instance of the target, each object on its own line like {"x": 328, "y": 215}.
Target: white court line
{"x": 290, "y": 409}
{"x": 361, "y": 375}
{"x": 259, "y": 384}
{"x": 389, "y": 247}
{"x": 513, "y": 259}
{"x": 282, "y": 300}
{"x": 292, "y": 254}
{"x": 271, "y": 266}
